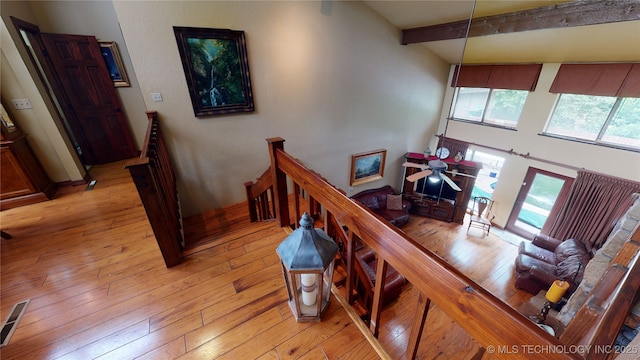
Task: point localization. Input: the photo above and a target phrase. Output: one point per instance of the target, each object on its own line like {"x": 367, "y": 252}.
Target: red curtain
{"x": 593, "y": 207}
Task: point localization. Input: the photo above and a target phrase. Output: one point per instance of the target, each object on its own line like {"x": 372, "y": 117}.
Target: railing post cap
{"x": 275, "y": 140}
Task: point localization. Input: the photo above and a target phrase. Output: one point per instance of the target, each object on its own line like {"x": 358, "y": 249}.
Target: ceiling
{"x": 613, "y": 42}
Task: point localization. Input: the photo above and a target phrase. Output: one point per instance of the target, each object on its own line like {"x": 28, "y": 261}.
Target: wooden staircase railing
{"x": 491, "y": 322}
{"x": 597, "y": 324}
{"x": 156, "y": 183}
{"x": 262, "y": 206}
{"x": 260, "y": 198}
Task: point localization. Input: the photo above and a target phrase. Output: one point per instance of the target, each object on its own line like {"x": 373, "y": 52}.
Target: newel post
{"x": 280, "y": 196}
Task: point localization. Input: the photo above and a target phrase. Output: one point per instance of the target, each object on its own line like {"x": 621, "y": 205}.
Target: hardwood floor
{"x": 98, "y": 286}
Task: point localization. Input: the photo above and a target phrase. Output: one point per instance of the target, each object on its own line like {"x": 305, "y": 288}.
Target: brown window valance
{"x": 598, "y": 79}
{"x": 513, "y": 77}
{"x": 631, "y": 85}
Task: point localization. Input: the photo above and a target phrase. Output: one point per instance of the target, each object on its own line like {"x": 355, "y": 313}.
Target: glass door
{"x": 541, "y": 195}
{"x": 487, "y": 176}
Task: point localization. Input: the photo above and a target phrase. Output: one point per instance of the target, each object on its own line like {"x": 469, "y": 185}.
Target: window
{"x": 498, "y": 107}
{"x": 607, "y": 120}
{"x": 487, "y": 176}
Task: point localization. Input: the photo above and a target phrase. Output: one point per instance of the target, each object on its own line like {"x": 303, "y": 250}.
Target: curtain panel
{"x": 631, "y": 85}
{"x": 512, "y": 77}
{"x": 621, "y": 80}
{"x": 594, "y": 205}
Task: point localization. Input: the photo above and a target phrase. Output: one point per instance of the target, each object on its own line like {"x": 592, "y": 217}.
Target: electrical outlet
{"x": 21, "y": 104}
{"x": 157, "y": 97}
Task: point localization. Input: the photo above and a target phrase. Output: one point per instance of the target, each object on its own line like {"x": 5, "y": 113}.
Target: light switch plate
{"x": 157, "y": 97}
{"x": 21, "y": 104}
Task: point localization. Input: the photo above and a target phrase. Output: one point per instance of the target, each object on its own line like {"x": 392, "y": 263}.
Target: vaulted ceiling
{"x": 527, "y": 31}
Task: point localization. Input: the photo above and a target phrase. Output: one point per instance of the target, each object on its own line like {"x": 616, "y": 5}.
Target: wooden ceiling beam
{"x": 571, "y": 14}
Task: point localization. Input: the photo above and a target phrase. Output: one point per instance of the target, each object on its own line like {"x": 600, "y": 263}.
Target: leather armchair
{"x": 545, "y": 259}
{"x": 366, "y": 279}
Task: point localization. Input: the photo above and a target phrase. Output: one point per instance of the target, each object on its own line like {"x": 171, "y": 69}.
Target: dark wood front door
{"x": 90, "y": 102}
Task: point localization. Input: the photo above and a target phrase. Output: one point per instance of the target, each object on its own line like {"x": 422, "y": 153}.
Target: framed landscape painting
{"x": 112, "y": 58}
{"x": 366, "y": 167}
{"x": 216, "y": 67}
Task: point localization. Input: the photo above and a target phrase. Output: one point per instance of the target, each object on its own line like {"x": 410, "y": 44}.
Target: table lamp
{"x": 553, "y": 295}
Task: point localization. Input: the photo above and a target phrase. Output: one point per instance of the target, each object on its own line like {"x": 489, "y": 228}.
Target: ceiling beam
{"x": 575, "y": 13}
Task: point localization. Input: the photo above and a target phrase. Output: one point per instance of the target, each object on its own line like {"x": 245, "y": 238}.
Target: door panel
{"x": 97, "y": 121}
{"x": 538, "y": 202}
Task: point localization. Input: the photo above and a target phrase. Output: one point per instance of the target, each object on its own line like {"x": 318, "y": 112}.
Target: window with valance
{"x": 493, "y": 94}
{"x": 597, "y": 103}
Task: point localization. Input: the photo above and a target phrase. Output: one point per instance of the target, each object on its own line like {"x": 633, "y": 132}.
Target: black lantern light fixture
{"x": 307, "y": 257}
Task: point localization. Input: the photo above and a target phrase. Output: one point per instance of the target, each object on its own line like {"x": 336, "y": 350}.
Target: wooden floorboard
{"x": 99, "y": 289}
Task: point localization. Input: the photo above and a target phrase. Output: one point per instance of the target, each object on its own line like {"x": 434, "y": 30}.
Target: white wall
{"x": 527, "y": 139}
{"x": 329, "y": 77}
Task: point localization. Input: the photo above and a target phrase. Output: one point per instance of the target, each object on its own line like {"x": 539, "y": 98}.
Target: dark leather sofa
{"x": 546, "y": 259}
{"x": 376, "y": 201}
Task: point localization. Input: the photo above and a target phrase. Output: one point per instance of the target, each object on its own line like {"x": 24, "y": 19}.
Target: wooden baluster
{"x": 296, "y": 203}
{"x": 351, "y": 257}
{"x": 418, "y": 325}
{"x": 263, "y": 203}
{"x": 378, "y": 295}
{"x": 311, "y": 207}
{"x": 314, "y": 207}
{"x": 251, "y": 202}
{"x": 272, "y": 214}
{"x": 256, "y": 206}
{"x": 279, "y": 182}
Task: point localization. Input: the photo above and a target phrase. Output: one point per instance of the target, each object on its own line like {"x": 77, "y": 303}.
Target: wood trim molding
{"x": 575, "y": 13}
{"x": 71, "y": 183}
{"x": 373, "y": 341}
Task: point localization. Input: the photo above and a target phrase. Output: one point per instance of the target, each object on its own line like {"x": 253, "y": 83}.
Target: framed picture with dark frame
{"x": 367, "y": 166}
{"x": 112, "y": 58}
{"x": 216, "y": 67}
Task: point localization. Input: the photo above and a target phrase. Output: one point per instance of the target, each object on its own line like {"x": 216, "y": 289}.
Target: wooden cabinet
{"x": 442, "y": 209}
{"x": 442, "y": 205}
{"x": 22, "y": 178}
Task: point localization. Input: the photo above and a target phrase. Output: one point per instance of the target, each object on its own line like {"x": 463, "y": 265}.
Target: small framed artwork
{"x": 216, "y": 67}
{"x": 114, "y": 63}
{"x": 368, "y": 166}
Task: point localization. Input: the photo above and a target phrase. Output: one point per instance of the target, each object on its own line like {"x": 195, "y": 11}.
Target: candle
{"x": 309, "y": 289}
{"x": 557, "y": 290}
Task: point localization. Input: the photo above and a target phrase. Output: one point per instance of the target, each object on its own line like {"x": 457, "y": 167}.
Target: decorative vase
{"x": 458, "y": 157}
